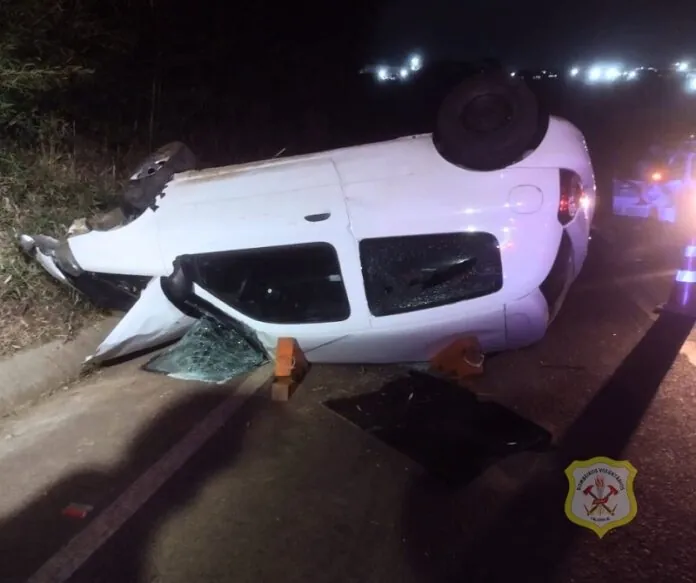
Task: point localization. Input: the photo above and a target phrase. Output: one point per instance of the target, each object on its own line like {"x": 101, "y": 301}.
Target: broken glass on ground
{"x": 210, "y": 353}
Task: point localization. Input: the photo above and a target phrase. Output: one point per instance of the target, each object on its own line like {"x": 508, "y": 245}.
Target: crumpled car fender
{"x": 152, "y": 321}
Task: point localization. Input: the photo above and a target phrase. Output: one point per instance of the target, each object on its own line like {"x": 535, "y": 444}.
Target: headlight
{"x": 65, "y": 260}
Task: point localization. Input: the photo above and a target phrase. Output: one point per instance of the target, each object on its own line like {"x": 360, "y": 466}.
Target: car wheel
{"x": 149, "y": 180}
{"x": 488, "y": 122}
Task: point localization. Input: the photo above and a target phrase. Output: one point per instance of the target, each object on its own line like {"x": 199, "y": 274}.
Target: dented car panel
{"x": 152, "y": 321}
{"x": 324, "y": 298}
{"x": 107, "y": 291}
{"x": 133, "y": 249}
{"x": 376, "y": 253}
{"x": 250, "y": 210}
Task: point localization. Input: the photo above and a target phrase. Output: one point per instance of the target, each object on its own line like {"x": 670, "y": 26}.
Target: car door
{"x": 276, "y": 264}
{"x": 267, "y": 248}
{"x": 300, "y": 290}
{"x": 431, "y": 272}
{"x": 425, "y": 291}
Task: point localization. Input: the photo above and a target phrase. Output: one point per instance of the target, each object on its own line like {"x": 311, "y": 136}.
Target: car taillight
{"x": 571, "y": 196}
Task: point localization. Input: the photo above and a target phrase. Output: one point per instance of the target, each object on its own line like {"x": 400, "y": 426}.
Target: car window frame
{"x": 194, "y": 269}
{"x": 435, "y": 305}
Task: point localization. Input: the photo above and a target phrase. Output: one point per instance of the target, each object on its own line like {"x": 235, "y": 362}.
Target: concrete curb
{"x": 29, "y": 374}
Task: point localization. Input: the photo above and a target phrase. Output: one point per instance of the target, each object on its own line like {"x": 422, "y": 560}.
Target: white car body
{"x": 396, "y": 188}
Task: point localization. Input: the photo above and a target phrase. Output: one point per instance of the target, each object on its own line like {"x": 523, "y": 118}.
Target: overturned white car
{"x": 376, "y": 253}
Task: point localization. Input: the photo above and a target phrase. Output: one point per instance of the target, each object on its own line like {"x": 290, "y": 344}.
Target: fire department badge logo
{"x": 600, "y": 494}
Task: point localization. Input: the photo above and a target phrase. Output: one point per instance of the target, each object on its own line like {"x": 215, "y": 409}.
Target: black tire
{"x": 149, "y": 180}
{"x": 488, "y": 122}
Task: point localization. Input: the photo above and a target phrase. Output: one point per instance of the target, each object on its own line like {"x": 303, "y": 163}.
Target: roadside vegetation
{"x": 48, "y": 174}
{"x": 88, "y": 87}
{"x": 42, "y": 191}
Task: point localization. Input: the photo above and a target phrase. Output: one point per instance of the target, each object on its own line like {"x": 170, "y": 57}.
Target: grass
{"x": 41, "y": 192}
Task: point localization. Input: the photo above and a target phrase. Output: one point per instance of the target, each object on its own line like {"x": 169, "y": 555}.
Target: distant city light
{"x": 599, "y": 73}
{"x": 613, "y": 73}
{"x": 390, "y": 72}
{"x": 606, "y": 74}
{"x": 595, "y": 74}
{"x": 415, "y": 62}
{"x": 691, "y": 85}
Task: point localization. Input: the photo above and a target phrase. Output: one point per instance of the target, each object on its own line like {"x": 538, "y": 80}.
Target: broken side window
{"x": 294, "y": 284}
{"x": 404, "y": 274}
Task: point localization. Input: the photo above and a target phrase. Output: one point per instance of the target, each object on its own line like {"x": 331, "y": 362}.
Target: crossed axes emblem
{"x": 599, "y": 501}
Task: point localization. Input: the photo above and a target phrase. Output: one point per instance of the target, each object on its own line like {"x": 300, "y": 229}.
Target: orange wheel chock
{"x": 291, "y": 366}
{"x": 460, "y": 359}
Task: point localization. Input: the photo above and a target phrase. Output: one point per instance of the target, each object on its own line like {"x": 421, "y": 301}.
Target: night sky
{"x": 284, "y": 74}
{"x": 538, "y": 32}
{"x": 527, "y": 33}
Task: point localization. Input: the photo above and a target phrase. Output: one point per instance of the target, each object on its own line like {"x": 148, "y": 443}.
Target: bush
{"x": 42, "y": 190}
{"x": 46, "y": 179}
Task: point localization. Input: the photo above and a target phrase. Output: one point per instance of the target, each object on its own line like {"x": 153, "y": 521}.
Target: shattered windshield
{"x": 209, "y": 352}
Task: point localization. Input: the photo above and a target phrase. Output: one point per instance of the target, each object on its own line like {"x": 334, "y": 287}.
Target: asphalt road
{"x": 309, "y": 492}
